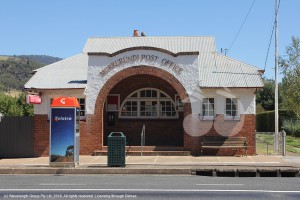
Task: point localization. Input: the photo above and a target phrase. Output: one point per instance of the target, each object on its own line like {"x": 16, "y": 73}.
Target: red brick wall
{"x": 41, "y": 135}
{"x": 89, "y": 138}
{"x": 245, "y": 127}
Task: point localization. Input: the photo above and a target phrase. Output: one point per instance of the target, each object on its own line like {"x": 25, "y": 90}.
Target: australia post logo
{"x": 60, "y": 118}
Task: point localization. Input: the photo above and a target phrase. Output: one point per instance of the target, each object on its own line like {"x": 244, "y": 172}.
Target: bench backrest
{"x": 223, "y": 140}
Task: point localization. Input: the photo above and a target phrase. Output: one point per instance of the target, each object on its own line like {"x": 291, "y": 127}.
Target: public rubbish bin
{"x": 116, "y": 149}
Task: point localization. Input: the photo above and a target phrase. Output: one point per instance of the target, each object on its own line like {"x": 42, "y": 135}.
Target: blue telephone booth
{"x": 64, "y": 132}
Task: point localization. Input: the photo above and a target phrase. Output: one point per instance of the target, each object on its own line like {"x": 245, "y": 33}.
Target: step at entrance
{"x": 148, "y": 151}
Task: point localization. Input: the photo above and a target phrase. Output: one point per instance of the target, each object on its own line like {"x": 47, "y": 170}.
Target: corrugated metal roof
{"x": 215, "y": 70}
{"x": 172, "y": 44}
{"x": 222, "y": 71}
{"x": 68, "y": 73}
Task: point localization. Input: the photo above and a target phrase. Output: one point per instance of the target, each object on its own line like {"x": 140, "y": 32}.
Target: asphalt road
{"x": 146, "y": 187}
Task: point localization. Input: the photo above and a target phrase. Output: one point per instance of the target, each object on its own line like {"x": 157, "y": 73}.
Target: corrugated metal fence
{"x": 16, "y": 137}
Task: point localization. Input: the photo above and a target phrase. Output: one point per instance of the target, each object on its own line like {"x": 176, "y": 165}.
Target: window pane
{"x": 228, "y": 107}
{"x": 162, "y": 95}
{"x": 143, "y": 93}
{"x": 233, "y": 107}
{"x": 228, "y": 101}
{"x": 154, "y": 93}
{"x": 208, "y": 107}
{"x": 81, "y": 101}
{"x": 148, "y": 93}
{"x": 128, "y": 108}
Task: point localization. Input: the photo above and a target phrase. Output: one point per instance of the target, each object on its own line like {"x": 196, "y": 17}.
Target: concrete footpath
{"x": 202, "y": 165}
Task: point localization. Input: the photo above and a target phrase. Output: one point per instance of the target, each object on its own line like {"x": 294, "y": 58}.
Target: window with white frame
{"x": 148, "y": 103}
{"x": 231, "y": 110}
{"x": 208, "y": 107}
{"x": 129, "y": 109}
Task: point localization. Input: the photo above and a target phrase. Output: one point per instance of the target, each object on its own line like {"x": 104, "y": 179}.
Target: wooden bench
{"x": 217, "y": 142}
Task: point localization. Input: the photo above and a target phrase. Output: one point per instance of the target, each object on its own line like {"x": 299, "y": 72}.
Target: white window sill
{"x": 207, "y": 118}
{"x": 231, "y": 118}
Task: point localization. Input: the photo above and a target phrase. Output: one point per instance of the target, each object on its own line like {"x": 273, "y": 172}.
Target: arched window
{"x": 148, "y": 103}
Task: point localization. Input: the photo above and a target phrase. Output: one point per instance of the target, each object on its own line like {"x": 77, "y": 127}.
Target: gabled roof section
{"x": 222, "y": 71}
{"x": 215, "y": 70}
{"x": 65, "y": 74}
{"x": 175, "y": 45}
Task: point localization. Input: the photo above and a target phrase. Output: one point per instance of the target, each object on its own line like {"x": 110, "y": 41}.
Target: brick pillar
{"x": 90, "y": 135}
{"x": 41, "y": 135}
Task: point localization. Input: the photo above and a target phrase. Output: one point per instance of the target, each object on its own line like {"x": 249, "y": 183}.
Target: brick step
{"x": 150, "y": 148}
{"x": 149, "y": 151}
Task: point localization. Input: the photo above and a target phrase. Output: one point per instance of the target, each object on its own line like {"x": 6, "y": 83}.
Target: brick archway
{"x": 96, "y": 121}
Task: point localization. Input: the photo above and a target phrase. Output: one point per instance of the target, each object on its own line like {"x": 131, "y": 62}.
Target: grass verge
{"x": 264, "y": 144}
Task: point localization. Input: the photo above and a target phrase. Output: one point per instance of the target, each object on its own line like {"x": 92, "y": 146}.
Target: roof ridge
{"x": 139, "y": 37}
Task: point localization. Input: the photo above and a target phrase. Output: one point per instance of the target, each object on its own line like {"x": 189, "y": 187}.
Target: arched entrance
{"x": 145, "y": 100}
{"x": 127, "y": 82}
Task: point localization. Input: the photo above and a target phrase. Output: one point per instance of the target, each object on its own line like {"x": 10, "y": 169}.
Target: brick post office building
{"x": 179, "y": 88}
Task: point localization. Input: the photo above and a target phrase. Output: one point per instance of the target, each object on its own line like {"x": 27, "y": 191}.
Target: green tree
{"x": 290, "y": 66}
{"x": 266, "y": 96}
{"x": 27, "y": 109}
{"x": 15, "y": 106}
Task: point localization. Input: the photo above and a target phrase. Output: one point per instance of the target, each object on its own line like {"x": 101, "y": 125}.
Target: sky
{"x": 60, "y": 28}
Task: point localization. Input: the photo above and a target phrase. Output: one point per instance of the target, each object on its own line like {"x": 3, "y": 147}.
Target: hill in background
{"x": 15, "y": 70}
{"x": 46, "y": 60}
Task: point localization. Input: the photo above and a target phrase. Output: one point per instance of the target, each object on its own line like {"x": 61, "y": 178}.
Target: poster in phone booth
{"x": 62, "y": 135}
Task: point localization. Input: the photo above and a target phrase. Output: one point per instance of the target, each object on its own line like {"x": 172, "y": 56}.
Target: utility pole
{"x": 276, "y": 79}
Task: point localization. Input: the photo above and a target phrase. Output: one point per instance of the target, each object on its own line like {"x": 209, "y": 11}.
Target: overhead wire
{"x": 271, "y": 37}
{"x": 241, "y": 26}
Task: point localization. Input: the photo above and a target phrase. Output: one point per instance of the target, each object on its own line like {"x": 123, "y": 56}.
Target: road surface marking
{"x": 221, "y": 184}
{"x": 147, "y": 190}
{"x": 60, "y": 184}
